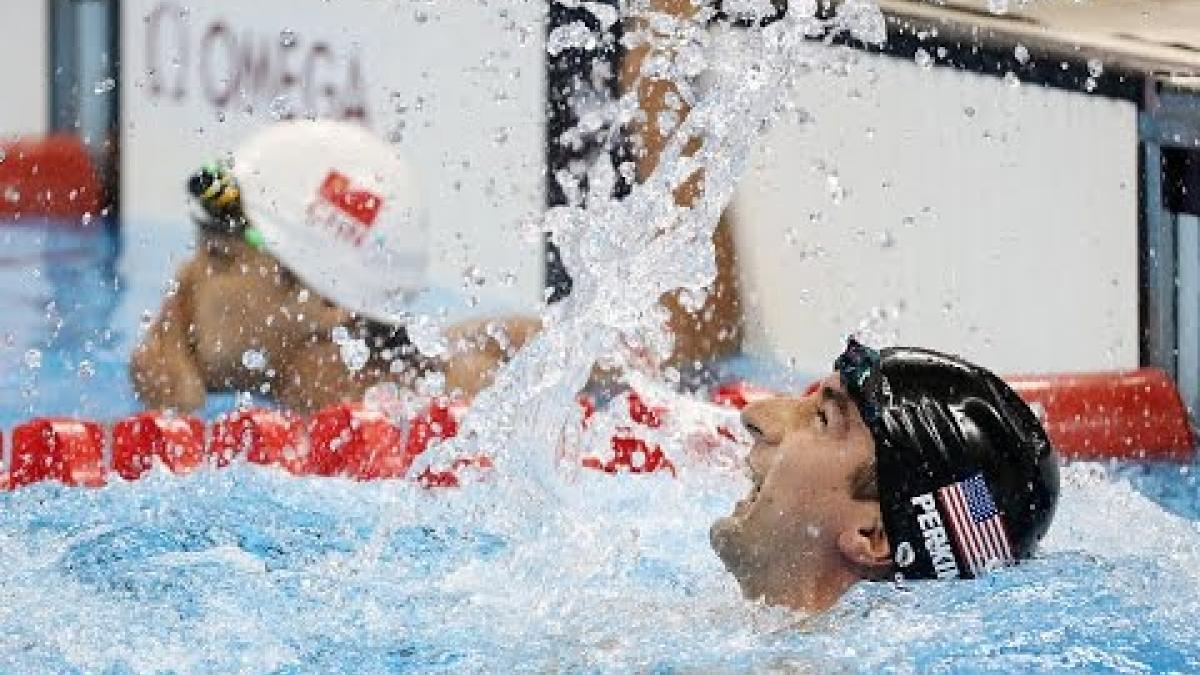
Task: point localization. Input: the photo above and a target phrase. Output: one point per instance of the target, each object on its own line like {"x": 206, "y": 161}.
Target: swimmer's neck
{"x": 805, "y": 586}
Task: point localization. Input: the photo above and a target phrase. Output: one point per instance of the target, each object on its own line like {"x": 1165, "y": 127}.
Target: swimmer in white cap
{"x": 310, "y": 267}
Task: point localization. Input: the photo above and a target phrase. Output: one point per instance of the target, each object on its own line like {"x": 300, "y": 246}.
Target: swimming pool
{"x": 248, "y": 569}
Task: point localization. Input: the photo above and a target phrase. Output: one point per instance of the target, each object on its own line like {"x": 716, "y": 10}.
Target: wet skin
{"x": 800, "y": 538}
{"x": 230, "y": 298}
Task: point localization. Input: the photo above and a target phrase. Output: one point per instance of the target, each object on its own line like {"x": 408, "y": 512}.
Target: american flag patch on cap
{"x": 976, "y": 524}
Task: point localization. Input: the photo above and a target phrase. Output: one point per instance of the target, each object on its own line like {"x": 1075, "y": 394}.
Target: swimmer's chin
{"x": 725, "y": 528}
{"x": 724, "y": 538}
{"x": 720, "y": 536}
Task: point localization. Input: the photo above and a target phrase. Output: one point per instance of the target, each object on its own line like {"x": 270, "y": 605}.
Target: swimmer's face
{"x": 806, "y": 513}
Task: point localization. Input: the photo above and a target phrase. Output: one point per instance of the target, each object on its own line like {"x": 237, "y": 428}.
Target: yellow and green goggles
{"x": 216, "y": 191}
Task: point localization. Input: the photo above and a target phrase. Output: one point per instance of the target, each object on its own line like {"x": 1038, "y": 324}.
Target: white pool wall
{"x": 23, "y": 108}
{"x": 459, "y": 87}
{"x": 979, "y": 217}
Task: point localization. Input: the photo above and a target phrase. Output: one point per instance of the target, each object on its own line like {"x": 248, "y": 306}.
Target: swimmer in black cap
{"x": 903, "y": 463}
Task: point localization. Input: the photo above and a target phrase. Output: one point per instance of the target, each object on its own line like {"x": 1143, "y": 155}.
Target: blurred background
{"x": 1015, "y": 182}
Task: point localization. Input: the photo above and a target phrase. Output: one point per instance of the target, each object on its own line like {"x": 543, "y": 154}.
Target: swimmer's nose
{"x": 763, "y": 422}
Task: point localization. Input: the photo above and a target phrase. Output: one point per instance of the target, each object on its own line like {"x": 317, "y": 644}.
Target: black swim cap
{"x": 967, "y": 477}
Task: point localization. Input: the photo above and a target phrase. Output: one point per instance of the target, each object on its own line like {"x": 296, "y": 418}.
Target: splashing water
{"x": 623, "y": 255}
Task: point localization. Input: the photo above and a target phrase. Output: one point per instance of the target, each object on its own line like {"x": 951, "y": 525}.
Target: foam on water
{"x": 251, "y": 570}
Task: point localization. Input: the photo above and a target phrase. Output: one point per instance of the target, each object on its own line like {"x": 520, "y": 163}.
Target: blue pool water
{"x": 249, "y": 570}
{"x": 73, "y": 302}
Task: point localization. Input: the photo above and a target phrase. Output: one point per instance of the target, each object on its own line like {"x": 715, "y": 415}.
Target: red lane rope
{"x": 347, "y": 440}
{"x": 1135, "y": 414}
{"x": 1126, "y": 415}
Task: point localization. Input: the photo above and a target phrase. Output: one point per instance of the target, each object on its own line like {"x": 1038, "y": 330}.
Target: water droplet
{"x": 575, "y": 35}
{"x": 1021, "y": 52}
{"x": 355, "y": 354}
{"x": 969, "y": 111}
{"x": 384, "y": 397}
{"x": 280, "y": 107}
{"x": 33, "y": 359}
{"x": 605, "y": 13}
{"x": 85, "y": 370}
{"x": 1095, "y": 67}
{"x": 104, "y": 86}
{"x": 254, "y": 359}
{"x": 923, "y": 58}
{"x": 863, "y": 20}
{"x": 473, "y": 276}
{"x": 433, "y": 384}
{"x": 287, "y": 38}
{"x": 666, "y": 122}
{"x": 243, "y": 400}
{"x": 836, "y": 191}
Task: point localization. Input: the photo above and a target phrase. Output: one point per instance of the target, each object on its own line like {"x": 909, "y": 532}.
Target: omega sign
{"x": 249, "y": 69}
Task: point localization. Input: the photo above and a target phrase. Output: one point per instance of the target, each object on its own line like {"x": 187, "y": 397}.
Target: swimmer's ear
{"x": 865, "y": 545}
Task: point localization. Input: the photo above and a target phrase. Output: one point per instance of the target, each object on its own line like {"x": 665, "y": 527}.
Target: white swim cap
{"x": 341, "y": 209}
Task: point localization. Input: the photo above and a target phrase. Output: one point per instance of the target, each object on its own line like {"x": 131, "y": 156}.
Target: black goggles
{"x": 856, "y": 366}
